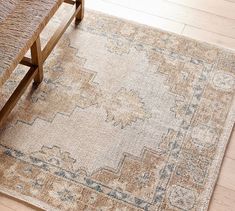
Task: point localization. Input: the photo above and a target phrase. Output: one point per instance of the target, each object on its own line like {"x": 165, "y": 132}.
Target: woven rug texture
{"x": 127, "y": 118}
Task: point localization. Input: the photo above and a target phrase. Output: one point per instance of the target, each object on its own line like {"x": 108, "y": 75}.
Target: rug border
{"x": 224, "y": 142}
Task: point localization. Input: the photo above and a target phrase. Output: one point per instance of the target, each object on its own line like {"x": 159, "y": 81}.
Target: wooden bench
{"x": 21, "y": 22}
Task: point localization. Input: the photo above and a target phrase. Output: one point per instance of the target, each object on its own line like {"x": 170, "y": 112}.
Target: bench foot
{"x": 80, "y": 14}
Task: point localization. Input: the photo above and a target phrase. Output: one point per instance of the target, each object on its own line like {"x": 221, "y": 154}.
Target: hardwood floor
{"x": 10, "y": 204}
{"x": 206, "y": 20}
{"x": 221, "y": 8}
{"x": 203, "y": 22}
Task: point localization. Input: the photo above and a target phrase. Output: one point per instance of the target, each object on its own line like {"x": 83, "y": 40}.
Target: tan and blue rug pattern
{"x": 127, "y": 118}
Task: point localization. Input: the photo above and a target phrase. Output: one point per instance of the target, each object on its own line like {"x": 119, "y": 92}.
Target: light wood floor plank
{"x": 227, "y": 174}
{"x": 15, "y": 204}
{"x": 223, "y": 199}
{"x": 181, "y": 14}
{"x": 4, "y": 208}
{"x": 230, "y": 153}
{"x": 130, "y": 14}
{"x": 233, "y": 1}
{"x": 219, "y": 7}
{"x": 209, "y": 37}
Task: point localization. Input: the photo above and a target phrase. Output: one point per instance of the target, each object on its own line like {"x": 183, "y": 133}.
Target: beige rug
{"x": 127, "y": 118}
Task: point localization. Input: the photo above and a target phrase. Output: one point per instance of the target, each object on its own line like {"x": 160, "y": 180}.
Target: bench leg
{"x": 36, "y": 55}
{"x": 80, "y": 14}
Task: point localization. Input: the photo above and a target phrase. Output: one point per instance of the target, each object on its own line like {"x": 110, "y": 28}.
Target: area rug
{"x": 127, "y": 118}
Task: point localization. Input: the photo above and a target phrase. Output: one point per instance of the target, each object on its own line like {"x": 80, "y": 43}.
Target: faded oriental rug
{"x": 127, "y": 118}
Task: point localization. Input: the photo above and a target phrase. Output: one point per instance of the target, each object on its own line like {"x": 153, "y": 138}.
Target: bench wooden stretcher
{"x": 21, "y": 22}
